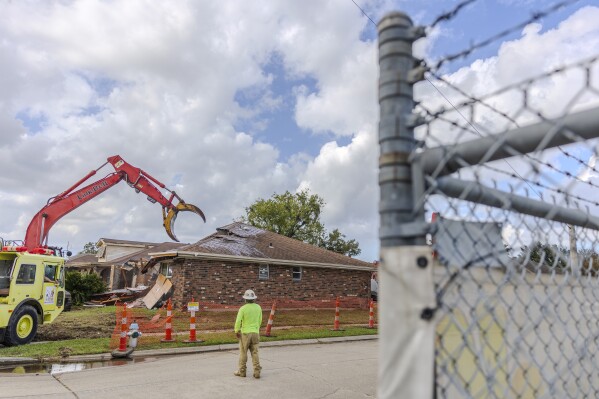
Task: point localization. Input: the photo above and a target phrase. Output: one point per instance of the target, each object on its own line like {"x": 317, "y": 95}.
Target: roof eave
{"x": 248, "y": 259}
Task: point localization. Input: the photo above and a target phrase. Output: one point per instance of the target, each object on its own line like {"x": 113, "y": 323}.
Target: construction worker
{"x": 247, "y": 330}
{"x": 374, "y": 287}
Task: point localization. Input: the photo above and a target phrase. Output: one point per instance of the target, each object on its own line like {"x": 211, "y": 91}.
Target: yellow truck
{"x": 32, "y": 291}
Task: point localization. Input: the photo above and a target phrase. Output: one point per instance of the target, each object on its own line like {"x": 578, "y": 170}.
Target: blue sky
{"x": 229, "y": 104}
{"x": 474, "y": 23}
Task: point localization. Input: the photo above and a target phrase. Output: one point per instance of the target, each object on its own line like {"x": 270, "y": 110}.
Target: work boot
{"x": 239, "y": 373}
{"x": 256, "y": 374}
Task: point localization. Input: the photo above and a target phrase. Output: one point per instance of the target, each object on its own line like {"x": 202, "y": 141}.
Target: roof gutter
{"x": 248, "y": 259}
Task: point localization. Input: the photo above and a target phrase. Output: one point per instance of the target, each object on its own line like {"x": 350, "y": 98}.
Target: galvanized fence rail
{"x": 497, "y": 295}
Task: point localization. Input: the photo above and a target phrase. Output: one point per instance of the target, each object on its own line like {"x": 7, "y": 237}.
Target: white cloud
{"x": 346, "y": 177}
{"x": 589, "y": 171}
{"x": 157, "y": 84}
{"x": 536, "y": 52}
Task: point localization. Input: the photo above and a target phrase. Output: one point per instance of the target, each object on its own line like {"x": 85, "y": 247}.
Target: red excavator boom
{"x": 72, "y": 198}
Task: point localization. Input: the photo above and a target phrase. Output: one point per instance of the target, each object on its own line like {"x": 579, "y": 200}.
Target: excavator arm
{"x": 72, "y": 198}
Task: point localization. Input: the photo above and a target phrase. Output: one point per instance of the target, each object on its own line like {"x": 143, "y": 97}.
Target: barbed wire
{"x": 535, "y": 17}
{"x": 562, "y": 172}
{"x": 448, "y": 16}
{"x": 585, "y": 63}
{"x": 519, "y": 85}
{"x": 481, "y": 100}
{"x": 541, "y": 185}
{"x": 471, "y": 100}
{"x": 364, "y": 12}
{"x": 580, "y": 161}
{"x": 470, "y": 128}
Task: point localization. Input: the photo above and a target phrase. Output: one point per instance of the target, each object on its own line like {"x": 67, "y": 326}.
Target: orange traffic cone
{"x": 371, "y": 315}
{"x": 123, "y": 351}
{"x": 336, "y": 325}
{"x": 123, "y": 339}
{"x": 168, "y": 337}
{"x": 270, "y": 319}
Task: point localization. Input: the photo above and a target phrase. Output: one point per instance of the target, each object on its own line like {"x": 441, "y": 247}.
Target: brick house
{"x": 219, "y": 268}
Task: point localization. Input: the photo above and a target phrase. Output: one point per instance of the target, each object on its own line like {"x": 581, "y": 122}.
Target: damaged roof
{"x": 239, "y": 239}
{"x": 142, "y": 255}
{"x": 126, "y": 242}
{"x": 82, "y": 260}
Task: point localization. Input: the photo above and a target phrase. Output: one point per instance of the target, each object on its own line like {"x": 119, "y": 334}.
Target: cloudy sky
{"x": 229, "y": 101}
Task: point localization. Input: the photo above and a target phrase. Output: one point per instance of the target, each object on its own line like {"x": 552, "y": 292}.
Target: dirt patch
{"x": 101, "y": 322}
{"x": 86, "y": 323}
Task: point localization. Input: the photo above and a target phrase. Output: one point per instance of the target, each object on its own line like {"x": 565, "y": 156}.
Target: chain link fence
{"x": 501, "y": 187}
{"x": 516, "y": 286}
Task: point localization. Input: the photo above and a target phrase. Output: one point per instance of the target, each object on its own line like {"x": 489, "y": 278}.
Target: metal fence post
{"x": 407, "y": 300}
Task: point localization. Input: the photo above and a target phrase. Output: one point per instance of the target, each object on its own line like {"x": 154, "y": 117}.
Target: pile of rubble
{"x": 140, "y": 296}
{"x": 124, "y": 295}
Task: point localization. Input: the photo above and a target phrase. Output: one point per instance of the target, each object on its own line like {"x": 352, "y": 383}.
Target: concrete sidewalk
{"x": 310, "y": 369}
{"x": 186, "y": 350}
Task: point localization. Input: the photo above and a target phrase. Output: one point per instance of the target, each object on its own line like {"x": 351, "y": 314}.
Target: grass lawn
{"x": 91, "y": 330}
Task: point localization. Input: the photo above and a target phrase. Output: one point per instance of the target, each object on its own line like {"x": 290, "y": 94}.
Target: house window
{"x": 166, "y": 270}
{"x": 263, "y": 272}
{"x": 297, "y": 273}
{"x": 26, "y": 274}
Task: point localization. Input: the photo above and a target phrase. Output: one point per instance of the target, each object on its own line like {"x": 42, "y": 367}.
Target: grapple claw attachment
{"x": 171, "y": 216}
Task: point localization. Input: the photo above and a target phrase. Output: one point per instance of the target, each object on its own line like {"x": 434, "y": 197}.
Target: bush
{"x": 83, "y": 286}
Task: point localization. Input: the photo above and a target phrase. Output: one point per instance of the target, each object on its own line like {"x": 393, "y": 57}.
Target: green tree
{"x": 590, "y": 261}
{"x": 336, "y": 242}
{"x": 83, "y": 286}
{"x": 298, "y": 216}
{"x": 89, "y": 248}
{"x": 550, "y": 255}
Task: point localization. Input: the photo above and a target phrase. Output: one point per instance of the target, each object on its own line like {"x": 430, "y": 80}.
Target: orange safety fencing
{"x": 346, "y": 302}
{"x": 153, "y": 323}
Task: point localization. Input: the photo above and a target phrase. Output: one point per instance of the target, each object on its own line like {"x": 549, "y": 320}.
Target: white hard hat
{"x": 249, "y": 294}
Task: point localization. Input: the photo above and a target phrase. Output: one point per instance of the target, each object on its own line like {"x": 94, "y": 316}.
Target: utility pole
{"x": 573, "y": 252}
{"x": 406, "y": 291}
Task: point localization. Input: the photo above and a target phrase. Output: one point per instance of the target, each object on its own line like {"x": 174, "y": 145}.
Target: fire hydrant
{"x": 133, "y": 334}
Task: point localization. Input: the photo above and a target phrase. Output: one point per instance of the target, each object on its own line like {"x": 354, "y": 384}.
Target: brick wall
{"x": 218, "y": 284}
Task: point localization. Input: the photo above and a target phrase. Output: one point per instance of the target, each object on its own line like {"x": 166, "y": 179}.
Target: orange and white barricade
{"x": 336, "y": 324}
{"x": 168, "y": 333}
{"x": 270, "y": 319}
{"x": 192, "y": 307}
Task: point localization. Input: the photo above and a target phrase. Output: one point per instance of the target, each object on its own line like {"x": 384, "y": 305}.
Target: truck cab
{"x": 32, "y": 291}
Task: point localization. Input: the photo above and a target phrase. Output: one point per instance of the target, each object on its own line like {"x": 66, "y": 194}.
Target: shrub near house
{"x": 83, "y": 286}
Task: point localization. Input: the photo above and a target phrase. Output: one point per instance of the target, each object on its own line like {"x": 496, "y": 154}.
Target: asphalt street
{"x": 333, "y": 370}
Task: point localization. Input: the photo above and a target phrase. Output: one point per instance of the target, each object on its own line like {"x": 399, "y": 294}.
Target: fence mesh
{"x": 517, "y": 286}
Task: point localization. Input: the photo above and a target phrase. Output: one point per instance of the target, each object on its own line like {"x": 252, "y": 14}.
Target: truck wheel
{"x": 21, "y": 327}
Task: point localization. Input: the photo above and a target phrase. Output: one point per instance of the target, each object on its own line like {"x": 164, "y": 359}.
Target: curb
{"x": 7, "y": 361}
